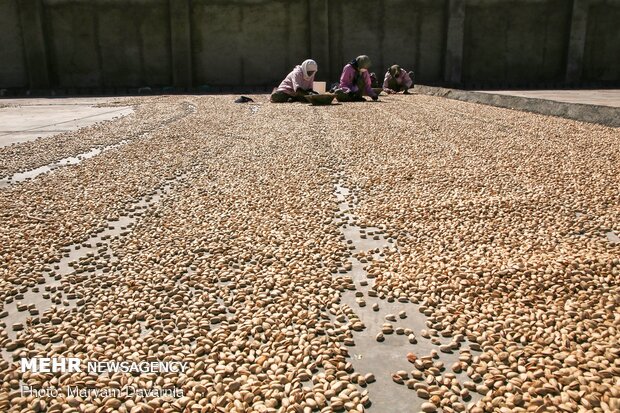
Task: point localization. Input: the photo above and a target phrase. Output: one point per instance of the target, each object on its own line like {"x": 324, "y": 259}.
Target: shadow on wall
{"x": 175, "y": 46}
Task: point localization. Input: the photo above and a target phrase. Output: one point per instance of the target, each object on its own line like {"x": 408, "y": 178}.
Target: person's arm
{"x": 386, "y": 83}
{"x": 407, "y": 82}
{"x": 297, "y": 78}
{"x": 310, "y": 88}
{"x": 368, "y": 87}
{"x": 346, "y": 78}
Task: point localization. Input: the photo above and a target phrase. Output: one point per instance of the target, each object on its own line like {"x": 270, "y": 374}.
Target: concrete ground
{"x": 23, "y": 120}
{"x": 592, "y": 106}
{"x": 418, "y": 252}
{"x": 600, "y": 97}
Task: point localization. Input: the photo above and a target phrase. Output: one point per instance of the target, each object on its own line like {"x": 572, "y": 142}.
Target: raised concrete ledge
{"x": 603, "y": 115}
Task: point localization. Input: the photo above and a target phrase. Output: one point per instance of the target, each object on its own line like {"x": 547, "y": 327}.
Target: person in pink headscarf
{"x": 297, "y": 84}
{"x": 355, "y": 81}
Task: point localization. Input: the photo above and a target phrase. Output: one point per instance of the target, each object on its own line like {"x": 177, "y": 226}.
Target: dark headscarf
{"x": 394, "y": 70}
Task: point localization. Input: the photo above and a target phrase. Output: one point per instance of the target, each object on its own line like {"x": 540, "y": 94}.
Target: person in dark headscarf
{"x": 374, "y": 81}
{"x": 297, "y": 84}
{"x": 397, "y": 80}
{"x": 355, "y": 81}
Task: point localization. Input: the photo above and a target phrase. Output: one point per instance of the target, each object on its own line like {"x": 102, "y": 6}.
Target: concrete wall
{"x": 408, "y": 32}
{"x": 602, "y": 42}
{"x": 13, "y": 70}
{"x": 247, "y": 42}
{"x": 515, "y": 41}
{"x": 111, "y": 44}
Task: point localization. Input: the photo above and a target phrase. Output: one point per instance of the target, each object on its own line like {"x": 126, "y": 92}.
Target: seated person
{"x": 397, "y": 80}
{"x": 355, "y": 81}
{"x": 374, "y": 81}
{"x": 296, "y": 84}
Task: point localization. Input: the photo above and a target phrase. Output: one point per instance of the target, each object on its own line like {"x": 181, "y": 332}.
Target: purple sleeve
{"x": 406, "y": 79}
{"x": 368, "y": 82}
{"x": 346, "y": 79}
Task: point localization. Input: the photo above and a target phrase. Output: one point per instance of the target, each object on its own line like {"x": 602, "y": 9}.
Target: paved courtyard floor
{"x": 412, "y": 254}
{"x": 27, "y": 119}
{"x": 599, "y": 97}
